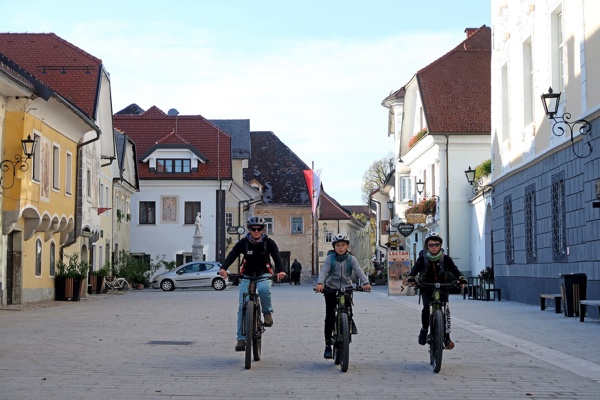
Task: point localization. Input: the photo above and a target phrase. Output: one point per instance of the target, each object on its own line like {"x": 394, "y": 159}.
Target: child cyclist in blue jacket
{"x": 336, "y": 273}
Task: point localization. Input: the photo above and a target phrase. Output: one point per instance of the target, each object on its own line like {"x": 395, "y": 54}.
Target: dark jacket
{"x": 296, "y": 266}
{"x": 443, "y": 271}
{"x": 257, "y": 257}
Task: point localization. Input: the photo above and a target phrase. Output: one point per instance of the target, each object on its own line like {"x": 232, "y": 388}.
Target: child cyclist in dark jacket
{"x": 433, "y": 266}
{"x": 336, "y": 274}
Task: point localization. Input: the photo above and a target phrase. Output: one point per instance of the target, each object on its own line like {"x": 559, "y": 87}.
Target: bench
{"x": 583, "y": 303}
{"x": 557, "y": 301}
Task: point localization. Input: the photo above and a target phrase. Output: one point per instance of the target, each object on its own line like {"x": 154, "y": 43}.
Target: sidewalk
{"x": 100, "y": 348}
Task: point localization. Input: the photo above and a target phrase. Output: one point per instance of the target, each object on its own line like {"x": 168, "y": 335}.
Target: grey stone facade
{"x": 523, "y": 281}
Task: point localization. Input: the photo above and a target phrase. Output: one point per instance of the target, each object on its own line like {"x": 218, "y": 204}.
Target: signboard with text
{"x": 398, "y": 268}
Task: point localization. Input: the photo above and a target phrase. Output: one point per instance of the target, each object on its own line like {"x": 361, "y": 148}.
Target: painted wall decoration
{"x": 168, "y": 209}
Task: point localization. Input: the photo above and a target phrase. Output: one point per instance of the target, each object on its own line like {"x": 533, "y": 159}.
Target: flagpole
{"x": 312, "y": 214}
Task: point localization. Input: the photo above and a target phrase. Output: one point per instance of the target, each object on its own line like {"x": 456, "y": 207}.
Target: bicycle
{"x": 252, "y": 323}
{"x": 342, "y": 332}
{"x": 113, "y": 283}
{"x": 437, "y": 323}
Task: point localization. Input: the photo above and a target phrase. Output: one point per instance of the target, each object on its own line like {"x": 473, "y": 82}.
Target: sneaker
{"x": 448, "y": 344}
{"x": 423, "y": 337}
{"x": 241, "y": 345}
{"x": 328, "y": 354}
{"x": 268, "y": 320}
{"x": 354, "y": 329}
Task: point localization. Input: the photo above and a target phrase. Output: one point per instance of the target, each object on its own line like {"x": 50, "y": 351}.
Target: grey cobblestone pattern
{"x": 98, "y": 349}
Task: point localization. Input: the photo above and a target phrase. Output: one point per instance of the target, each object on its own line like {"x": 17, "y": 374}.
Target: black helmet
{"x": 433, "y": 236}
{"x": 255, "y": 221}
{"x": 340, "y": 237}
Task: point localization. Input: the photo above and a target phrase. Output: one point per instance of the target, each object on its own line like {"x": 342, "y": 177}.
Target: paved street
{"x": 99, "y": 348}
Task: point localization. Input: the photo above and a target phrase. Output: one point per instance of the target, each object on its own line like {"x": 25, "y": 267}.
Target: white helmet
{"x": 256, "y": 221}
{"x": 433, "y": 236}
{"x": 340, "y": 237}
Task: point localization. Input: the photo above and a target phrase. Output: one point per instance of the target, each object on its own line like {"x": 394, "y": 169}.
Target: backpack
{"x": 331, "y": 254}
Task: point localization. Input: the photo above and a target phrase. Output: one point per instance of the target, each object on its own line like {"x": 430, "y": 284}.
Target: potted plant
{"x": 69, "y": 279}
{"x": 98, "y": 278}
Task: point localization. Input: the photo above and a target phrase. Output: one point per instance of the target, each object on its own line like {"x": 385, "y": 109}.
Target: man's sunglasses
{"x": 256, "y": 229}
{"x": 433, "y": 245}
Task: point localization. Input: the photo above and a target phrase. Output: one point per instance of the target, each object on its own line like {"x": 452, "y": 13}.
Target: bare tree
{"x": 374, "y": 176}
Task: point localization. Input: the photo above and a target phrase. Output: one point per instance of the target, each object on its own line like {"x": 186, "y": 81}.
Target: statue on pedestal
{"x": 198, "y": 225}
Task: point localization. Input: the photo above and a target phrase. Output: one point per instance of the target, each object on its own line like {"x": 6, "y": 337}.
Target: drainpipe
{"x": 447, "y": 195}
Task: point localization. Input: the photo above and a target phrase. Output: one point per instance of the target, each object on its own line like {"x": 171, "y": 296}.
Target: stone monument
{"x": 198, "y": 247}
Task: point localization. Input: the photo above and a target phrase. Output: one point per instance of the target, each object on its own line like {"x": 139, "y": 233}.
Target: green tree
{"x": 374, "y": 177}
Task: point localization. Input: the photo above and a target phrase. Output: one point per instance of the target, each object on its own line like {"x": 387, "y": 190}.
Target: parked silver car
{"x": 192, "y": 274}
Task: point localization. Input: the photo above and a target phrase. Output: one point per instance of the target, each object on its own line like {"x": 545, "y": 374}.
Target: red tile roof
{"x": 331, "y": 209}
{"x": 456, "y": 88}
{"x": 67, "y": 69}
{"x": 153, "y": 128}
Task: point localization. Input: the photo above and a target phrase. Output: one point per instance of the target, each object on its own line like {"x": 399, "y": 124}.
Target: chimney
{"x": 470, "y": 31}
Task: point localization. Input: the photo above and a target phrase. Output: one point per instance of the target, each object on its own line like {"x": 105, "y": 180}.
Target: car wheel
{"x": 219, "y": 284}
{"x": 167, "y": 285}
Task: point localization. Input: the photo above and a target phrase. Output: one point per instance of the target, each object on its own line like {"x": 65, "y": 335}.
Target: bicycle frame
{"x": 437, "y": 323}
{"x": 252, "y": 324}
{"x": 342, "y": 331}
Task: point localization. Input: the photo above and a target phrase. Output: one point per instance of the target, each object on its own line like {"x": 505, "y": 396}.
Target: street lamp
{"x": 420, "y": 186}
{"x": 487, "y": 190}
{"x": 28, "y": 149}
{"x": 551, "y": 102}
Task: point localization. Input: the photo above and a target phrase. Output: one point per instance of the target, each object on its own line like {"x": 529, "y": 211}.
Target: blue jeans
{"x": 264, "y": 292}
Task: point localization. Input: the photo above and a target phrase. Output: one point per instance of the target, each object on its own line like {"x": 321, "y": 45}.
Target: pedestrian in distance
{"x": 433, "y": 266}
{"x": 296, "y": 269}
{"x": 336, "y": 273}
{"x": 258, "y": 249}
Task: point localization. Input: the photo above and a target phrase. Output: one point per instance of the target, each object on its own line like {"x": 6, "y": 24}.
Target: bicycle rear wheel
{"x": 344, "y": 342}
{"x": 249, "y": 327}
{"x": 436, "y": 345}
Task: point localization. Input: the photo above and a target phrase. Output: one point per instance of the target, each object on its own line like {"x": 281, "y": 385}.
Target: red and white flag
{"x": 313, "y": 181}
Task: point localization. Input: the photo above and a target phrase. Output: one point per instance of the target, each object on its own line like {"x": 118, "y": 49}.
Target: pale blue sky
{"x": 313, "y": 72}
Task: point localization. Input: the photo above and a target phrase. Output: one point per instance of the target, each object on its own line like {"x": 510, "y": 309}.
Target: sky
{"x": 314, "y": 72}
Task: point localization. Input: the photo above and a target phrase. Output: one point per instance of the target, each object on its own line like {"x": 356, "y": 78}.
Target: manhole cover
{"x": 170, "y": 342}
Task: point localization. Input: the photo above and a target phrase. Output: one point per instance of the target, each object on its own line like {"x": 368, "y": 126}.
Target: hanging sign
{"x": 405, "y": 229}
{"x": 416, "y": 218}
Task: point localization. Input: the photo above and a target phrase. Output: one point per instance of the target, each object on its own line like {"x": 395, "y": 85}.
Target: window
{"x": 52, "y": 259}
{"x": 405, "y": 189}
{"x": 268, "y": 225}
{"x": 191, "y": 209}
{"x": 173, "y": 166}
{"x": 55, "y": 167}
{"x": 106, "y": 254}
{"x": 88, "y": 183}
{"x": 559, "y": 229}
{"x": 228, "y": 219}
{"x": 297, "y": 226}
{"x": 36, "y": 163}
{"x": 527, "y": 83}
{"x": 147, "y": 212}
{"x": 106, "y": 197}
{"x": 530, "y": 225}
{"x": 328, "y": 236}
{"x": 38, "y": 257}
{"x": 69, "y": 174}
{"x": 509, "y": 253}
{"x": 100, "y": 194}
{"x": 559, "y": 47}
{"x": 505, "y": 108}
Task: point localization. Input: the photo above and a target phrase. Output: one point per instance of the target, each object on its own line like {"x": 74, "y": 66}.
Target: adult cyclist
{"x": 258, "y": 249}
{"x": 433, "y": 266}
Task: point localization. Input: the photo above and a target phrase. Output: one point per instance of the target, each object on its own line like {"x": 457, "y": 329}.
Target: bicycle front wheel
{"x": 344, "y": 342}
{"x": 124, "y": 285}
{"x": 436, "y": 345}
{"x": 257, "y": 334}
{"x": 249, "y": 327}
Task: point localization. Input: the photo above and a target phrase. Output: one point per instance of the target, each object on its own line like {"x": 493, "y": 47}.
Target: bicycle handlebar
{"x": 346, "y": 290}
{"x": 438, "y": 285}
